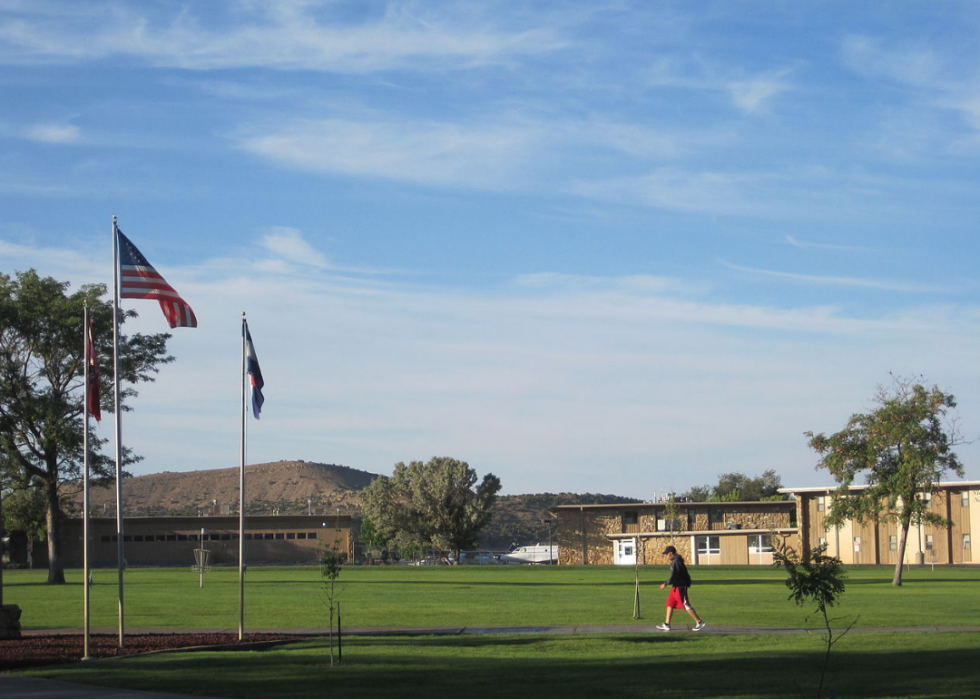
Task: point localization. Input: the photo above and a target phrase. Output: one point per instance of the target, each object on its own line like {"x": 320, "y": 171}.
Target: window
{"x": 966, "y": 542}
{"x": 857, "y": 543}
{"x": 822, "y": 541}
{"x": 893, "y": 542}
{"x": 965, "y": 499}
{"x": 716, "y": 516}
{"x": 821, "y": 503}
{"x": 708, "y": 545}
{"x": 926, "y": 499}
{"x": 631, "y": 517}
{"x": 759, "y": 543}
{"x": 929, "y": 542}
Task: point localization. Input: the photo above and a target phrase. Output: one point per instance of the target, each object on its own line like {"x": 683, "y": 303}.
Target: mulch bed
{"x": 34, "y": 651}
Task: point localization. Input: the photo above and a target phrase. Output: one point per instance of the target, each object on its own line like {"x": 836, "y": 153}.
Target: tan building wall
{"x": 872, "y": 544}
{"x": 704, "y": 533}
{"x": 170, "y": 541}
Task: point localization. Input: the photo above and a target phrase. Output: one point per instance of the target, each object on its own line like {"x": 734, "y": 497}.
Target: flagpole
{"x": 241, "y": 500}
{"x": 86, "y": 352}
{"x": 120, "y": 549}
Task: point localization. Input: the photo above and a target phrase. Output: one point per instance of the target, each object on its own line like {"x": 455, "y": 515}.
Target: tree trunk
{"x": 903, "y": 538}
{"x": 56, "y": 570}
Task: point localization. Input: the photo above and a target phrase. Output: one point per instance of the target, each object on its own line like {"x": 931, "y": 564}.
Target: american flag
{"x": 254, "y": 374}
{"x": 93, "y": 388}
{"x": 139, "y": 280}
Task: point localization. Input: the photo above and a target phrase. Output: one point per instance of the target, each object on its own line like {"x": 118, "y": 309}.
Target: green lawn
{"x": 681, "y": 666}
{"x": 866, "y": 663}
{"x": 404, "y": 596}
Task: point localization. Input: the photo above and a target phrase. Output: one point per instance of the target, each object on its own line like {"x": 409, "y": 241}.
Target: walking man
{"x": 679, "y": 581}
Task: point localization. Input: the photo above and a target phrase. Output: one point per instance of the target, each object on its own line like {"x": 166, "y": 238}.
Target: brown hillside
{"x": 288, "y": 487}
{"x": 283, "y": 486}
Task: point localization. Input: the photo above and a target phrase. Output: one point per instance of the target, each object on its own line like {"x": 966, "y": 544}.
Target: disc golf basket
{"x": 202, "y": 563}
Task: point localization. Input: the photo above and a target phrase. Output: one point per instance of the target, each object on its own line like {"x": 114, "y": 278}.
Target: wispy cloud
{"x": 531, "y": 381}
{"x": 52, "y": 133}
{"x": 481, "y": 155}
{"x": 298, "y": 35}
{"x": 751, "y": 94}
{"x": 934, "y": 80}
{"x": 853, "y": 282}
{"x": 811, "y": 245}
{"x": 289, "y": 244}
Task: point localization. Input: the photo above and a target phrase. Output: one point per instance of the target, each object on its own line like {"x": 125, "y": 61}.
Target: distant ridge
{"x": 297, "y": 487}
{"x": 283, "y": 487}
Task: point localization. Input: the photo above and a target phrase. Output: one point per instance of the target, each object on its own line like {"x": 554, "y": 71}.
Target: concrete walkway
{"x": 18, "y": 687}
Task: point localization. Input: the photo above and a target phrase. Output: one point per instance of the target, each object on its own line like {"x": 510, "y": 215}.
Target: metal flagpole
{"x": 120, "y": 550}
{"x": 86, "y": 352}
{"x": 241, "y": 500}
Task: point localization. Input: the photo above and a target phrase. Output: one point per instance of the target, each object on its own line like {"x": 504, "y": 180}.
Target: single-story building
{"x": 171, "y": 541}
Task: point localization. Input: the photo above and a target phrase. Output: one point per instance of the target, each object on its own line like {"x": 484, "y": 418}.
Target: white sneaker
{"x": 663, "y": 627}
{"x": 698, "y": 626}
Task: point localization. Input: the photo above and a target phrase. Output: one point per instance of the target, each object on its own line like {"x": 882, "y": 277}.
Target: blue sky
{"x": 617, "y": 247}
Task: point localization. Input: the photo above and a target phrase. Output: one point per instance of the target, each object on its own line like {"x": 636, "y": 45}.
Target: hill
{"x": 280, "y": 487}
{"x": 298, "y": 487}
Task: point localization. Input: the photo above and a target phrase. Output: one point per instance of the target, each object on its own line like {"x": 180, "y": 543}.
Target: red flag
{"x": 93, "y": 388}
{"x": 139, "y": 280}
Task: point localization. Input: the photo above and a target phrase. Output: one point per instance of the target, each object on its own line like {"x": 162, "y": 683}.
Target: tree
{"x": 437, "y": 503}
{"x": 42, "y": 399}
{"x": 24, "y": 510}
{"x": 816, "y": 578}
{"x": 904, "y": 447}
{"x": 373, "y": 539}
{"x": 331, "y": 564}
{"x": 737, "y": 486}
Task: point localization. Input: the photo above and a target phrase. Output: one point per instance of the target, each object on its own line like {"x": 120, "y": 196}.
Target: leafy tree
{"x": 735, "y": 487}
{"x": 903, "y": 448}
{"x": 433, "y": 504}
{"x": 814, "y": 578}
{"x": 331, "y": 564}
{"x": 42, "y": 399}
{"x": 745, "y": 488}
{"x": 24, "y": 510}
{"x": 373, "y": 539}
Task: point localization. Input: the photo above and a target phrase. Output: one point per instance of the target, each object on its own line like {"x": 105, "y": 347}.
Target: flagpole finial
{"x": 243, "y": 315}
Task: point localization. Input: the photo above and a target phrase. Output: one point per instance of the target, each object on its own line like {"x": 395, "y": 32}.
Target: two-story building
{"x": 705, "y": 533}
{"x": 738, "y": 533}
{"x": 877, "y": 542}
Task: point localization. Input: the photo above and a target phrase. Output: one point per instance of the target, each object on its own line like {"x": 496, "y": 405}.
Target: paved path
{"x": 18, "y": 687}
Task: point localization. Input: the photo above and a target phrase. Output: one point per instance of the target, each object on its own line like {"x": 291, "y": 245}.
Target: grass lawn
{"x": 919, "y": 665}
{"x": 912, "y": 666}
{"x": 404, "y": 596}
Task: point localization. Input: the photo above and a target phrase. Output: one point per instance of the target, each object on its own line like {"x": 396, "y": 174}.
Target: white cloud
{"x": 320, "y": 36}
{"x": 543, "y": 384}
{"x": 753, "y": 95}
{"x": 854, "y": 282}
{"x": 53, "y": 133}
{"x": 288, "y": 243}
{"x": 445, "y": 154}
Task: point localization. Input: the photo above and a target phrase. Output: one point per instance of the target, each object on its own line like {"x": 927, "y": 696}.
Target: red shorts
{"x": 678, "y": 598}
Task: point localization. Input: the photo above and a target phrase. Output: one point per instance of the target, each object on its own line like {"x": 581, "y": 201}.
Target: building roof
{"x": 832, "y": 488}
{"x": 679, "y": 503}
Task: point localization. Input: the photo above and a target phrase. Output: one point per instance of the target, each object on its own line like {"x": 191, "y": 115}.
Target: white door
{"x": 625, "y": 553}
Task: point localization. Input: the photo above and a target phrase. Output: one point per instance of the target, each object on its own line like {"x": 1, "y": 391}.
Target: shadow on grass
{"x": 546, "y": 668}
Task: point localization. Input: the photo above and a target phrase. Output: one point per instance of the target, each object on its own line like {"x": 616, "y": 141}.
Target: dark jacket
{"x": 679, "y": 577}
